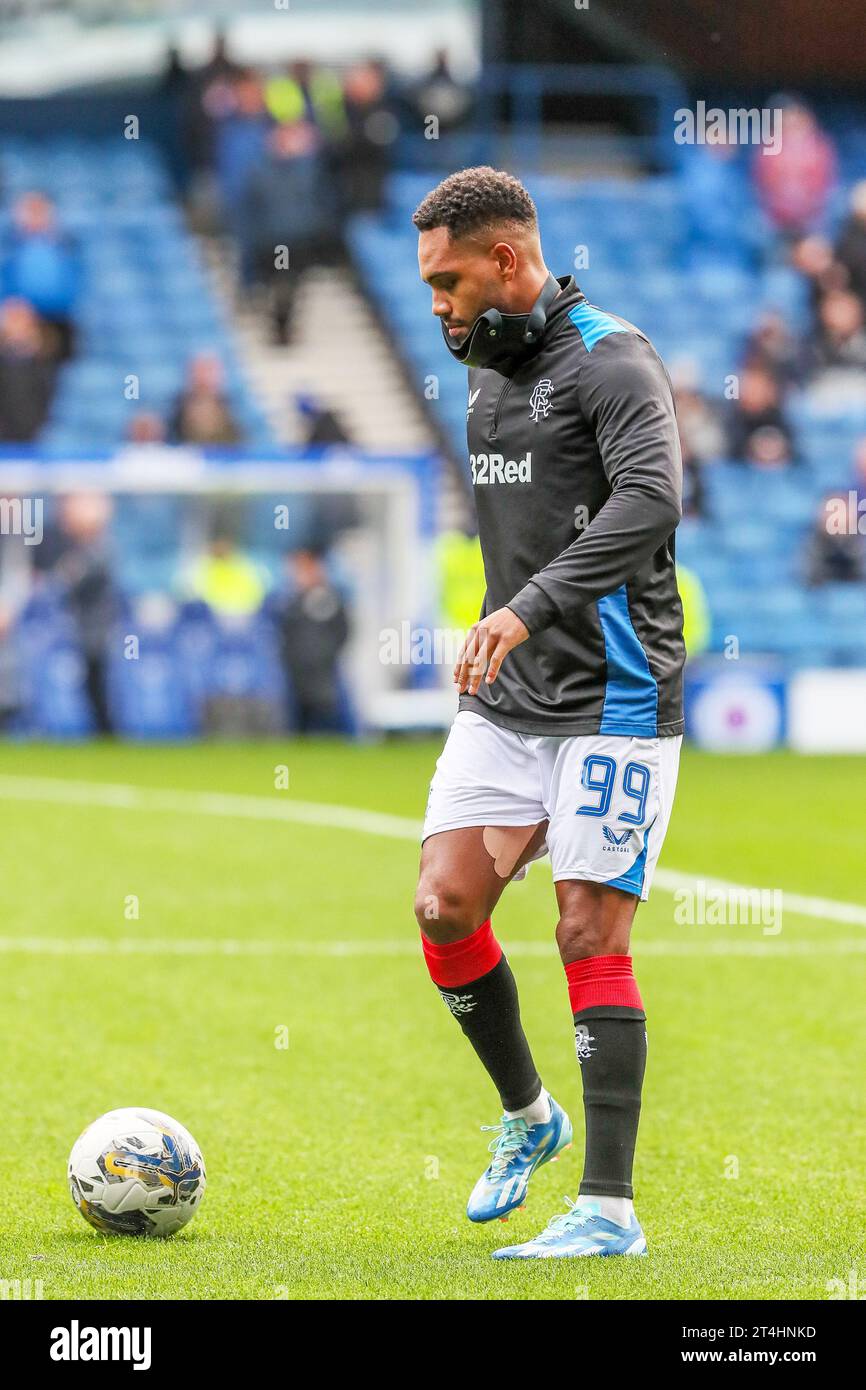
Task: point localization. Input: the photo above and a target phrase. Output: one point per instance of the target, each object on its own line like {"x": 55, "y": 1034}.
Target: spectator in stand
{"x": 851, "y": 246}
{"x": 292, "y": 213}
{"x": 307, "y": 92}
{"x": 697, "y": 619}
{"x": 42, "y": 265}
{"x": 772, "y": 345}
{"x": 813, "y": 257}
{"x": 240, "y": 144}
{"x": 701, "y": 433}
{"x": 208, "y": 98}
{"x": 758, "y": 431}
{"x": 226, "y": 579}
{"x": 146, "y": 427}
{"x": 840, "y": 344}
{"x": 202, "y": 414}
{"x": 439, "y": 93}
{"x": 794, "y": 184}
{"x": 27, "y": 374}
{"x": 313, "y": 628}
{"x": 175, "y": 90}
{"x": 365, "y": 154}
{"x": 836, "y": 552}
{"x": 461, "y": 582}
{"x": 320, "y": 425}
{"x": 84, "y": 570}
{"x": 10, "y": 682}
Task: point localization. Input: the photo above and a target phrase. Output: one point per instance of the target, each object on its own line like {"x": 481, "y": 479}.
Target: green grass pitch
{"x": 339, "y": 1165}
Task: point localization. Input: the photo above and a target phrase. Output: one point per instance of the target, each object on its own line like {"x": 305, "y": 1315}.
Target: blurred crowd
{"x": 794, "y": 192}
{"x": 40, "y": 285}
{"x": 278, "y": 161}
{"x": 274, "y": 160}
{"x": 69, "y": 585}
{"x": 202, "y": 414}
{"x": 282, "y": 159}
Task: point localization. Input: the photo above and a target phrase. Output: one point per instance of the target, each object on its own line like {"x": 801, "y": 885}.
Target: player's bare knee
{"x": 595, "y": 920}
{"x": 443, "y": 911}
{"x": 578, "y": 933}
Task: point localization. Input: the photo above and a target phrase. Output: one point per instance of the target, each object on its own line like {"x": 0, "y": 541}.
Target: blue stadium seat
{"x": 147, "y": 300}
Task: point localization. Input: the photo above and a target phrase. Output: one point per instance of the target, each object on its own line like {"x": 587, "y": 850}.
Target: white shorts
{"x": 607, "y": 798}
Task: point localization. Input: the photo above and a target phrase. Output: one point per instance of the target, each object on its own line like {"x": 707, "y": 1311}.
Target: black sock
{"x": 488, "y": 1011}
{"x": 611, "y": 1047}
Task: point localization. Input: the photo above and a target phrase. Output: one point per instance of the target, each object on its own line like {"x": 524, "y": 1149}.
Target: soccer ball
{"x": 136, "y": 1172}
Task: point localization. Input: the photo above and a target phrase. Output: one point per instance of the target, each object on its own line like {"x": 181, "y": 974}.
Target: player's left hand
{"x": 487, "y": 644}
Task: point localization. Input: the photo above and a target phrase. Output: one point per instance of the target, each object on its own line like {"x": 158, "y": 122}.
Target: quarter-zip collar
{"x": 569, "y": 295}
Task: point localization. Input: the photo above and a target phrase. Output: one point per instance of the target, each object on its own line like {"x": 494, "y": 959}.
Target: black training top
{"x": 577, "y": 478}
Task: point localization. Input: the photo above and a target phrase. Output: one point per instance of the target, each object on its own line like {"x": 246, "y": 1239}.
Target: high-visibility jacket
{"x": 284, "y": 99}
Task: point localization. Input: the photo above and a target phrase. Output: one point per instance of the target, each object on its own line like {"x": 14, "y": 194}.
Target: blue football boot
{"x": 582, "y": 1230}
{"x": 518, "y": 1149}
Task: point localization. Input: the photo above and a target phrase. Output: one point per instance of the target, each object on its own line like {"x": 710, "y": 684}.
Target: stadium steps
{"x": 353, "y": 372}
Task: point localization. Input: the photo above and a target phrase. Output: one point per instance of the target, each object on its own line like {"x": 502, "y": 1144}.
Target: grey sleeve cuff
{"x": 534, "y": 608}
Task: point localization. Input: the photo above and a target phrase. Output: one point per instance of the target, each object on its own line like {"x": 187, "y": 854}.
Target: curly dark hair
{"x": 475, "y": 198}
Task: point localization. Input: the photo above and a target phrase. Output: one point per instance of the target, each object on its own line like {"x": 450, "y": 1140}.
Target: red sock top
{"x": 461, "y": 962}
{"x": 602, "y": 980}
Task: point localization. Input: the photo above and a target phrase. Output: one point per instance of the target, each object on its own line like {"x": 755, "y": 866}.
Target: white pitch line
{"x": 128, "y": 797}
{"x": 775, "y": 947}
{"x": 825, "y": 909}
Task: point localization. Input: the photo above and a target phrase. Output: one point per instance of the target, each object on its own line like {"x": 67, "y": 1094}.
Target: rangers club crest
{"x": 458, "y": 1003}
{"x": 582, "y": 1040}
{"x": 539, "y": 401}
